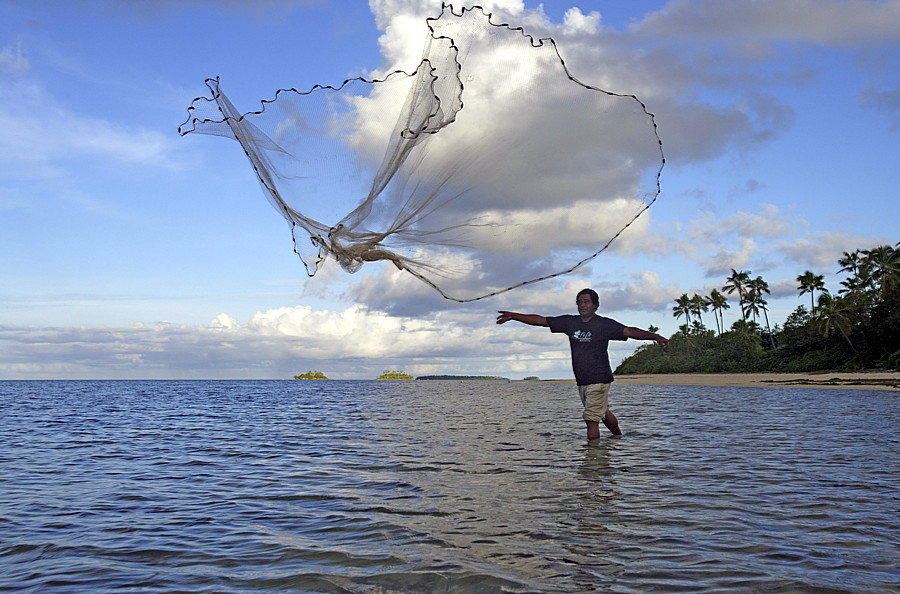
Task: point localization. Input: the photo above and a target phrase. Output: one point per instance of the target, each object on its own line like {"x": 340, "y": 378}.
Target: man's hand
{"x": 639, "y": 334}
{"x": 530, "y": 319}
{"x": 504, "y": 317}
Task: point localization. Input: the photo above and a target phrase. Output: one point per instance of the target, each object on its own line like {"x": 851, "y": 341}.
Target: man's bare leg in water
{"x": 611, "y": 422}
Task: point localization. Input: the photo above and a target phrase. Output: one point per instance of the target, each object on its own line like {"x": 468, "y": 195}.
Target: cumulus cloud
{"x": 352, "y": 343}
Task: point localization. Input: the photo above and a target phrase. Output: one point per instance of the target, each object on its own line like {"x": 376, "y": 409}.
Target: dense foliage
{"x": 311, "y": 375}
{"x": 856, "y": 329}
{"x": 395, "y": 375}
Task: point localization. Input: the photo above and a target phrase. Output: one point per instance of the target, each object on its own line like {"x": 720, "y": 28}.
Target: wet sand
{"x": 863, "y": 380}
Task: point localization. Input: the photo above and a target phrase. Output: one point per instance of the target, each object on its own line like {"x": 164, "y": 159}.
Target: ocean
{"x": 444, "y": 486}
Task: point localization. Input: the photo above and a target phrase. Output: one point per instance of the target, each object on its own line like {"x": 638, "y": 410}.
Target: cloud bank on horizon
{"x": 779, "y": 122}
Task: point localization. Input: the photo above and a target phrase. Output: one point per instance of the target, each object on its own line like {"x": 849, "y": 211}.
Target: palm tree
{"x": 719, "y": 303}
{"x": 736, "y": 284}
{"x": 860, "y": 273}
{"x": 751, "y": 300}
{"x": 699, "y": 306}
{"x": 759, "y": 287}
{"x": 683, "y": 308}
{"x": 850, "y": 262}
{"x": 832, "y": 313}
{"x": 810, "y": 283}
{"x": 884, "y": 263}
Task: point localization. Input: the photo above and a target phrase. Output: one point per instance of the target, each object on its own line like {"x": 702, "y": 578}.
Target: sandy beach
{"x": 863, "y": 380}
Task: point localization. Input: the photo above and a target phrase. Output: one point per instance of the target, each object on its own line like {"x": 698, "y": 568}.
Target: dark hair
{"x": 595, "y": 299}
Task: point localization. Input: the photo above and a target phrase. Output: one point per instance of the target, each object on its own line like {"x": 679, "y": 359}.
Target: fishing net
{"x": 488, "y": 167}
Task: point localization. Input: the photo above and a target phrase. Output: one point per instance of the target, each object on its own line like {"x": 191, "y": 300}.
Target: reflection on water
{"x": 444, "y": 486}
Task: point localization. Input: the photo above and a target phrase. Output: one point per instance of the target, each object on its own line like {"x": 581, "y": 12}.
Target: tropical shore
{"x": 862, "y": 380}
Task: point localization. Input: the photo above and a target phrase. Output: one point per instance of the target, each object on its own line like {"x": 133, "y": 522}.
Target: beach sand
{"x": 863, "y": 380}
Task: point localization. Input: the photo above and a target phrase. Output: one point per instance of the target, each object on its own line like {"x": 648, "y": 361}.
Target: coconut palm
{"x": 859, "y": 272}
{"x": 683, "y": 308}
{"x": 699, "y": 306}
{"x": 757, "y": 288}
{"x": 851, "y": 262}
{"x": 736, "y": 283}
{"x": 719, "y": 303}
{"x": 832, "y": 312}
{"x": 884, "y": 264}
{"x": 810, "y": 283}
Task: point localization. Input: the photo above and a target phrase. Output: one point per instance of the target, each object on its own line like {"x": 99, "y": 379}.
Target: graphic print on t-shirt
{"x": 582, "y": 336}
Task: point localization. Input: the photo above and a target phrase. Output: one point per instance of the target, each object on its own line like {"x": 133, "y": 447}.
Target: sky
{"x": 128, "y": 251}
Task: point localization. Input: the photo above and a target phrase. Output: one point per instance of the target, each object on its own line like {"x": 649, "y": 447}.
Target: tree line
{"x": 856, "y": 328}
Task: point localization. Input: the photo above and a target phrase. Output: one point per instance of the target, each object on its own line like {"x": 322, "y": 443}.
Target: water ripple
{"x": 444, "y": 486}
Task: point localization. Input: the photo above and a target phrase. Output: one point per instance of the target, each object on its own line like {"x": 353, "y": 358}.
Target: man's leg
{"x": 611, "y": 422}
{"x": 595, "y": 398}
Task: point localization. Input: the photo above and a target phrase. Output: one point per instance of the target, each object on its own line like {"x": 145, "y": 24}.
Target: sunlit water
{"x": 475, "y": 486}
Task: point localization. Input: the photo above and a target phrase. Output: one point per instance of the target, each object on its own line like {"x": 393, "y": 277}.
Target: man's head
{"x": 587, "y": 301}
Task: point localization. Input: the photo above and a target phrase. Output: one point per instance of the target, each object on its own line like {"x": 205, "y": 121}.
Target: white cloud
{"x": 644, "y": 292}
{"x": 554, "y": 227}
{"x": 350, "y": 343}
{"x": 576, "y": 21}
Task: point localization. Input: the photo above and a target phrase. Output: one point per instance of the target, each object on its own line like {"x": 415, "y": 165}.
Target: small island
{"x": 311, "y": 375}
{"x": 394, "y": 375}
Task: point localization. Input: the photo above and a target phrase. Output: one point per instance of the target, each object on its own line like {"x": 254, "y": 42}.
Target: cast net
{"x": 486, "y": 168}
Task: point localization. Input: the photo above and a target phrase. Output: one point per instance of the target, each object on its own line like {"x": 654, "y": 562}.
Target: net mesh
{"x": 487, "y": 168}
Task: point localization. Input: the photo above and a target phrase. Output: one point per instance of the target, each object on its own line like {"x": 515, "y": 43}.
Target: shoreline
{"x": 838, "y": 380}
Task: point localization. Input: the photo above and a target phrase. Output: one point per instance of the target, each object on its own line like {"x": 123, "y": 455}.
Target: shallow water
{"x": 449, "y": 486}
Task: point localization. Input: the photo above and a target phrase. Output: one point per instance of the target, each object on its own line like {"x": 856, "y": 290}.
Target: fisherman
{"x": 589, "y": 336}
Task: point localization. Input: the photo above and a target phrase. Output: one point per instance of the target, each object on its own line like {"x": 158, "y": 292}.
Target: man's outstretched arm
{"x": 638, "y": 334}
{"x": 530, "y": 319}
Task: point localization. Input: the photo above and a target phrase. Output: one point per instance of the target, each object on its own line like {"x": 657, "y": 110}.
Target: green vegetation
{"x": 395, "y": 375}
{"x": 311, "y": 375}
{"x": 856, "y": 329}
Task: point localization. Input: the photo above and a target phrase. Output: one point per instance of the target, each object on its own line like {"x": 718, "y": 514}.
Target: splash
{"x": 487, "y": 168}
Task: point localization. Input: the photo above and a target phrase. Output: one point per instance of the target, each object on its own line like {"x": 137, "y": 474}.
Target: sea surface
{"x": 444, "y": 486}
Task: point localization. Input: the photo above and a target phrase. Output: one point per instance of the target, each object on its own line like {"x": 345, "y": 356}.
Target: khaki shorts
{"x": 595, "y": 398}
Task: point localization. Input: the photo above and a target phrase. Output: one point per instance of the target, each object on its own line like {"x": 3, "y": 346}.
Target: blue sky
{"x": 129, "y": 251}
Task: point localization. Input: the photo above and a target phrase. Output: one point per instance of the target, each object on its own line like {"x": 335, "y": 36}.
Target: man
{"x": 589, "y": 336}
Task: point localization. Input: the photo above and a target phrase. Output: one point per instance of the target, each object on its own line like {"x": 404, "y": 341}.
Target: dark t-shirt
{"x": 589, "y": 341}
